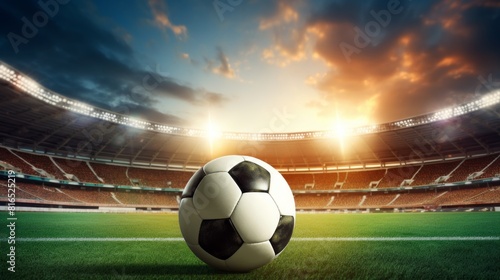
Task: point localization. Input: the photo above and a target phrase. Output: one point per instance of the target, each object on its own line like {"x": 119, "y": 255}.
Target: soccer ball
{"x": 237, "y": 213}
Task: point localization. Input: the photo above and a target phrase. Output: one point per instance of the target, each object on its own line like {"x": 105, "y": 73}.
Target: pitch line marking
{"x": 100, "y": 239}
{"x": 297, "y": 239}
{"x": 406, "y": 238}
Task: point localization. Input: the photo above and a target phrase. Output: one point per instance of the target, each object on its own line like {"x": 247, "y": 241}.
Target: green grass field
{"x": 302, "y": 259}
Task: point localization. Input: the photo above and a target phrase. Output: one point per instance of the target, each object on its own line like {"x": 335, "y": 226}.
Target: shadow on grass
{"x": 146, "y": 270}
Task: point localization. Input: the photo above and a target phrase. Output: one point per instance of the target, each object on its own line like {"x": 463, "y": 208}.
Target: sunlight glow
{"x": 341, "y": 132}
{"x": 212, "y": 133}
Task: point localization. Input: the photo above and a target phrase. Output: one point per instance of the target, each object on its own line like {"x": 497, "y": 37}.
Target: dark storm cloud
{"x": 428, "y": 55}
{"x": 80, "y": 57}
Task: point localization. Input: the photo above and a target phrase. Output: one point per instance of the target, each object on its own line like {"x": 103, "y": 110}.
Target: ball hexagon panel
{"x": 219, "y": 238}
{"x": 189, "y": 221}
{"x": 251, "y": 177}
{"x": 255, "y": 217}
{"x": 283, "y": 233}
{"x": 193, "y": 183}
{"x": 261, "y": 253}
{"x": 222, "y": 164}
{"x": 216, "y": 196}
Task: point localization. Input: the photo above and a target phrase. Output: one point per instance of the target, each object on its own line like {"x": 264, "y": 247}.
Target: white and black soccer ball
{"x": 237, "y": 213}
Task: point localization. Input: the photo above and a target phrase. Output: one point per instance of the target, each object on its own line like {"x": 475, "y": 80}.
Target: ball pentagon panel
{"x": 283, "y": 234}
{"x": 251, "y": 177}
{"x": 193, "y": 183}
{"x": 219, "y": 238}
{"x": 260, "y": 162}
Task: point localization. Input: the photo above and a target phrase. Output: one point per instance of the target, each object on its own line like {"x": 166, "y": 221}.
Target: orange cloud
{"x": 287, "y": 48}
{"x": 456, "y": 66}
{"x": 161, "y": 19}
{"x": 393, "y": 80}
{"x": 285, "y": 13}
{"x": 289, "y": 38}
{"x": 427, "y": 57}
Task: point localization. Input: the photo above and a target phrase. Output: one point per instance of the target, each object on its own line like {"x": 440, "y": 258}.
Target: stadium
{"x": 75, "y": 156}
{"x": 350, "y": 140}
{"x": 71, "y": 157}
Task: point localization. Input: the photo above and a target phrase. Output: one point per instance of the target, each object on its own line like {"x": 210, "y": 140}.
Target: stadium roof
{"x": 34, "y": 118}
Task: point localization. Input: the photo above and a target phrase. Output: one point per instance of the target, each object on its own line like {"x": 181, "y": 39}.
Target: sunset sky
{"x": 258, "y": 66}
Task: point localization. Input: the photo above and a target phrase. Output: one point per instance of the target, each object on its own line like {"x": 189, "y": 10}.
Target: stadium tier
{"x": 457, "y": 197}
{"x": 363, "y": 180}
{"x": 125, "y": 186}
{"x": 33, "y": 194}
{"x": 81, "y": 170}
{"x": 7, "y": 156}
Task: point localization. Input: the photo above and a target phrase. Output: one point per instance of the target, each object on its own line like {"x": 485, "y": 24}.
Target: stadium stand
{"x": 346, "y": 200}
{"x": 328, "y": 181}
{"x": 299, "y": 181}
{"x": 78, "y": 168}
{"x": 159, "y": 178}
{"x": 363, "y": 179}
{"x": 318, "y": 190}
{"x": 492, "y": 195}
{"x": 428, "y": 174}
{"x": 90, "y": 196}
{"x": 20, "y": 194}
{"x": 458, "y": 196}
{"x": 311, "y": 200}
{"x": 493, "y": 169}
{"x": 45, "y": 193}
{"x": 11, "y": 158}
{"x": 379, "y": 200}
{"x": 97, "y": 196}
{"x": 394, "y": 177}
{"x": 414, "y": 198}
{"x": 112, "y": 174}
{"x": 471, "y": 168}
{"x": 44, "y": 163}
{"x": 147, "y": 198}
